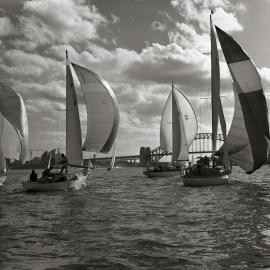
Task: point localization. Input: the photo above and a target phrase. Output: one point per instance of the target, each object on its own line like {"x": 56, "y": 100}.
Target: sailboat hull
{"x": 43, "y": 187}
{"x": 207, "y": 180}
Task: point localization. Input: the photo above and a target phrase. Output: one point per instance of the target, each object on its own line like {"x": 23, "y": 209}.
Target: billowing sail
{"x": 177, "y": 140}
{"x": 248, "y": 138}
{"x": 73, "y": 126}
{"x": 13, "y": 125}
{"x": 102, "y": 111}
{"x": 184, "y": 121}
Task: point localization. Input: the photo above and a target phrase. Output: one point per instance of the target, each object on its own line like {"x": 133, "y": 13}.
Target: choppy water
{"x": 123, "y": 220}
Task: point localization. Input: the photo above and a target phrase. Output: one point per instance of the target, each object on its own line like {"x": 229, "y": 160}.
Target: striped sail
{"x": 248, "y": 138}
{"x": 73, "y": 126}
{"x": 102, "y": 111}
{"x": 13, "y": 126}
{"x": 178, "y": 126}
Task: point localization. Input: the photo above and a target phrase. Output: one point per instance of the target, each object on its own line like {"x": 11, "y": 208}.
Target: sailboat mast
{"x": 215, "y": 85}
{"x": 67, "y": 81}
{"x": 173, "y": 119}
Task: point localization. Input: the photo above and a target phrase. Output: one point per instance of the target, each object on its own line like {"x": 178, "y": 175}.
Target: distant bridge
{"x": 202, "y": 144}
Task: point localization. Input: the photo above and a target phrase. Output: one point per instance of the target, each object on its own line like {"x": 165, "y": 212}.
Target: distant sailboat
{"x": 178, "y": 128}
{"x": 247, "y": 143}
{"x": 102, "y": 123}
{"x": 13, "y": 128}
{"x": 111, "y": 166}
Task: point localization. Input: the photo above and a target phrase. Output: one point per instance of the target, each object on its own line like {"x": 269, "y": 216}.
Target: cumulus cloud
{"x": 6, "y": 27}
{"x": 159, "y": 26}
{"x": 194, "y": 32}
{"x": 48, "y": 21}
{"x": 30, "y": 66}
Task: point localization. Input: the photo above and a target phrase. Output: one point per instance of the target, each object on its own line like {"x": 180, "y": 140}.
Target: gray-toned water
{"x": 122, "y": 220}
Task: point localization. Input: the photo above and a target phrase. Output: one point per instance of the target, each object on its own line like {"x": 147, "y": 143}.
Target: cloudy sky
{"x": 138, "y": 46}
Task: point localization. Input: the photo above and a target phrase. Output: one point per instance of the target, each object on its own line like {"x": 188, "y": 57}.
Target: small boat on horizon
{"x": 111, "y": 166}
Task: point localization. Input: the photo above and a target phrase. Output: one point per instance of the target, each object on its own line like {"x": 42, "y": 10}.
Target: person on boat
{"x": 206, "y": 162}
{"x": 33, "y": 176}
{"x": 64, "y": 163}
{"x": 46, "y": 172}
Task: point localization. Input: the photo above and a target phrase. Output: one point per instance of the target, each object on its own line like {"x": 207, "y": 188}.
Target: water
{"x": 123, "y": 220}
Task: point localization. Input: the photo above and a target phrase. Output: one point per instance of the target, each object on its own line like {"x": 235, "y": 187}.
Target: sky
{"x": 137, "y": 46}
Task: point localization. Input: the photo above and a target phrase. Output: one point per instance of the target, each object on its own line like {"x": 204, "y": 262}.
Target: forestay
{"x": 248, "y": 138}
{"x": 102, "y": 111}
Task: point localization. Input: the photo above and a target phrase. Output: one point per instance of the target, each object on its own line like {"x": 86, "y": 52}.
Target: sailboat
{"x": 102, "y": 125}
{"x": 111, "y": 166}
{"x": 247, "y": 142}
{"x": 178, "y": 128}
{"x": 13, "y": 128}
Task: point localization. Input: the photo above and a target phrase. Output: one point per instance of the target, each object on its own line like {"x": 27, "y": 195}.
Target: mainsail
{"x": 217, "y": 110}
{"x": 215, "y": 84}
{"x": 102, "y": 111}
{"x": 13, "y": 126}
{"x": 178, "y": 126}
{"x": 73, "y": 126}
{"x": 248, "y": 138}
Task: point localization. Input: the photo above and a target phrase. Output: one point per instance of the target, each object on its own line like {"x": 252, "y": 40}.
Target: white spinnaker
{"x": 73, "y": 126}
{"x": 176, "y": 128}
{"x": 179, "y": 138}
{"x": 14, "y": 139}
{"x": 189, "y": 120}
{"x": 10, "y": 142}
{"x": 102, "y": 111}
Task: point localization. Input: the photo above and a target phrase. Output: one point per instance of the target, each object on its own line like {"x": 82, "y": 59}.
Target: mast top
{"x": 172, "y": 85}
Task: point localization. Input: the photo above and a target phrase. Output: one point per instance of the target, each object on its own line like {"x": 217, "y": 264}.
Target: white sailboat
{"x": 102, "y": 125}
{"x": 178, "y": 128}
{"x": 247, "y": 143}
{"x": 111, "y": 166}
{"x": 13, "y": 128}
